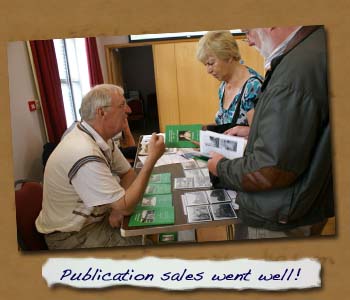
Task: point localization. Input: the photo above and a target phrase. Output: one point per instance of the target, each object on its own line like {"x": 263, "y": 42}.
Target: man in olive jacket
{"x": 284, "y": 180}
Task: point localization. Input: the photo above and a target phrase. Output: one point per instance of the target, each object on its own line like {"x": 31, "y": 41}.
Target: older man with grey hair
{"x": 284, "y": 180}
{"x": 88, "y": 184}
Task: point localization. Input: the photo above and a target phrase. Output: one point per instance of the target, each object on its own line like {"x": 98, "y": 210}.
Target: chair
{"x": 137, "y": 111}
{"x": 28, "y": 200}
{"x": 47, "y": 150}
{"x": 152, "y": 112}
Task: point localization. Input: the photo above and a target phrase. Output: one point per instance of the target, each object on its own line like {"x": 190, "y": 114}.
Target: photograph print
{"x": 198, "y": 213}
{"x": 222, "y": 211}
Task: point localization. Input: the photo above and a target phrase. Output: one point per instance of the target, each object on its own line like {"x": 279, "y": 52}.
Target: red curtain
{"x": 49, "y": 83}
{"x": 95, "y": 73}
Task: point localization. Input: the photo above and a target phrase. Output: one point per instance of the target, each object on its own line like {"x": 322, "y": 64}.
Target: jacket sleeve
{"x": 284, "y": 130}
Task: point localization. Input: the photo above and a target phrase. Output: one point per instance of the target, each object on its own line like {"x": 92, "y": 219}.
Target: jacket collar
{"x": 300, "y": 36}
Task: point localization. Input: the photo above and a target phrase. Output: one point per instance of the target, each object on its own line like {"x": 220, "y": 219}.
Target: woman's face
{"x": 218, "y": 68}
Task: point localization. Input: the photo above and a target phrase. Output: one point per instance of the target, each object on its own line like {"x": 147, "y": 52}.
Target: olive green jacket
{"x": 284, "y": 179}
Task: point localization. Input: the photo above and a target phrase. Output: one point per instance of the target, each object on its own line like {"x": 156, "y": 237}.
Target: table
{"x": 181, "y": 223}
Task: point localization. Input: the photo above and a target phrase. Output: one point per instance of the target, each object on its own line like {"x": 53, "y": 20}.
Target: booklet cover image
{"x": 182, "y": 136}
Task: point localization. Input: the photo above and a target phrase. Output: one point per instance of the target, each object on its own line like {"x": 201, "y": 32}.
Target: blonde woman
{"x": 240, "y": 84}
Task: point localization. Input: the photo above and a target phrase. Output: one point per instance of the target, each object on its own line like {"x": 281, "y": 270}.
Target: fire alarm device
{"x": 31, "y": 105}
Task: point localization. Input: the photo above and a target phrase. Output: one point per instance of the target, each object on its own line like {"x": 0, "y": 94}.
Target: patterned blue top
{"x": 249, "y": 97}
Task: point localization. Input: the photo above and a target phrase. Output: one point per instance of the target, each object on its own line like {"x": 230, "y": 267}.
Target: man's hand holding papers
{"x": 213, "y": 161}
{"x": 219, "y": 146}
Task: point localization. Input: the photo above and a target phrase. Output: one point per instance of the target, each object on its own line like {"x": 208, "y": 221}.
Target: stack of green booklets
{"x": 182, "y": 136}
{"x": 156, "y": 207}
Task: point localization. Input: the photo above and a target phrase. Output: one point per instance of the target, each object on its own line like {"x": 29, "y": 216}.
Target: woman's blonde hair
{"x": 219, "y": 43}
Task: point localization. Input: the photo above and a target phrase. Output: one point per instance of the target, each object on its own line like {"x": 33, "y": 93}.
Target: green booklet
{"x": 156, "y": 201}
{"x": 152, "y": 216}
{"x": 157, "y": 189}
{"x": 160, "y": 178}
{"x": 182, "y": 136}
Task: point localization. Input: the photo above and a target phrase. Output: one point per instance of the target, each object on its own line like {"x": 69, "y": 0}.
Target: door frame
{"x": 113, "y": 63}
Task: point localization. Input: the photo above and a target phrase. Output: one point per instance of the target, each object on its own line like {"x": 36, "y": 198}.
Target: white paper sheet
{"x": 166, "y": 159}
{"x": 227, "y": 145}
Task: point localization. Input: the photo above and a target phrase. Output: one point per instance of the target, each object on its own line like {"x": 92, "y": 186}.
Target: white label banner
{"x": 179, "y": 274}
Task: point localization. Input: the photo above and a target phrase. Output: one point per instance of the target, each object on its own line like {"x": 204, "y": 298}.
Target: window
{"x": 74, "y": 75}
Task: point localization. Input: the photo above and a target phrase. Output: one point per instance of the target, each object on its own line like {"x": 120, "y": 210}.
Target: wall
{"x": 108, "y": 40}
{"x": 28, "y": 134}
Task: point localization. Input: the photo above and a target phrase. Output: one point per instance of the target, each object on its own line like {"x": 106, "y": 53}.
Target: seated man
{"x": 88, "y": 184}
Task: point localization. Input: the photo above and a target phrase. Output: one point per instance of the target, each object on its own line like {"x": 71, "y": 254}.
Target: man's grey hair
{"x": 99, "y": 96}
